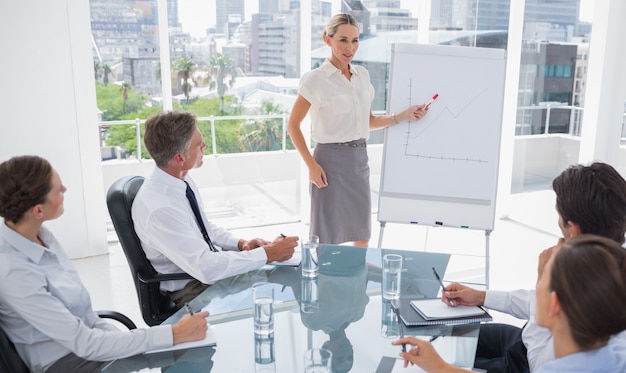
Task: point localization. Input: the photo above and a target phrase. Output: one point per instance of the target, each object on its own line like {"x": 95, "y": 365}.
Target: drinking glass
{"x": 309, "y": 256}
{"x": 263, "y": 300}
{"x": 392, "y": 271}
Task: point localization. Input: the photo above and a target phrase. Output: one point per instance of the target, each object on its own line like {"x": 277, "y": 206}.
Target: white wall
{"x": 48, "y": 106}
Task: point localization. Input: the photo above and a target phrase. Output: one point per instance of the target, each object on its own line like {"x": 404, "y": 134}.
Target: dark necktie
{"x": 196, "y": 211}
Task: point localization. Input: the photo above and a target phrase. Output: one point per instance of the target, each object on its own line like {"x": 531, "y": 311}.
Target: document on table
{"x": 294, "y": 261}
{"x": 209, "y": 340}
{"x": 389, "y": 364}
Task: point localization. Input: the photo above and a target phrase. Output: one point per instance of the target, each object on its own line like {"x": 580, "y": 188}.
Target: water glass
{"x": 392, "y": 271}
{"x": 264, "y": 357}
{"x": 318, "y": 360}
{"x": 309, "y": 298}
{"x": 263, "y": 300}
{"x": 309, "y": 256}
{"x": 389, "y": 323}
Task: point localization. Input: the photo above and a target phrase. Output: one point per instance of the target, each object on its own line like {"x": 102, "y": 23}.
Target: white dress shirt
{"x": 340, "y": 108}
{"x": 46, "y": 310}
{"x": 172, "y": 240}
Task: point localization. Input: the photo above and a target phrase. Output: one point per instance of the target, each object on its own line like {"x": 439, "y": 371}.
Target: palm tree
{"x": 266, "y": 134}
{"x": 222, "y": 73}
{"x": 106, "y": 69}
{"x": 185, "y": 68}
{"x": 96, "y": 69}
{"x": 125, "y": 88}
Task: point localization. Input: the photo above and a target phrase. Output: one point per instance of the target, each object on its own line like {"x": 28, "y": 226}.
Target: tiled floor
{"x": 514, "y": 246}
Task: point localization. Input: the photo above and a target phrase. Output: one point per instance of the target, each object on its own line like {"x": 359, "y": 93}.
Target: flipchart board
{"x": 442, "y": 170}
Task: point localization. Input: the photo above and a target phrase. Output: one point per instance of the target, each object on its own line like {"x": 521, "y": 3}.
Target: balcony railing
{"x": 531, "y": 120}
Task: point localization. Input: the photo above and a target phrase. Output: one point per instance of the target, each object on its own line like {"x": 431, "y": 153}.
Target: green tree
{"x": 125, "y": 88}
{"x": 96, "y": 69}
{"x": 263, "y": 134}
{"x": 185, "y": 68}
{"x": 222, "y": 75}
{"x": 226, "y": 131}
{"x": 106, "y": 69}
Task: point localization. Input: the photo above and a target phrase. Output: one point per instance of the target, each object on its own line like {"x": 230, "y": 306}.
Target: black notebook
{"x": 424, "y": 312}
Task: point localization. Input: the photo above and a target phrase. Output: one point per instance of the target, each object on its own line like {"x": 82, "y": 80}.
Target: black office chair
{"x": 10, "y": 361}
{"x": 155, "y": 305}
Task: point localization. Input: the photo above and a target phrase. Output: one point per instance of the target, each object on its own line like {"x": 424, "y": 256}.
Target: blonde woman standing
{"x": 338, "y": 96}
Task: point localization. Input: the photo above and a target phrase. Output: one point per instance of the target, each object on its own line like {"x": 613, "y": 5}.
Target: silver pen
{"x": 443, "y": 288}
{"x": 188, "y": 308}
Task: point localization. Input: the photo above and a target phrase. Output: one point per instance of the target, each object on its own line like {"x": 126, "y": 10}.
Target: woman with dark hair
{"x": 580, "y": 299}
{"x": 45, "y": 310}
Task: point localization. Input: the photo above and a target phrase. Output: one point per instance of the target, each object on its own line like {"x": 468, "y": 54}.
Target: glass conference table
{"x": 348, "y": 316}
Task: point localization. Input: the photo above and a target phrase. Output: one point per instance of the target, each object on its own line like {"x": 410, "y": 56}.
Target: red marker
{"x": 426, "y": 105}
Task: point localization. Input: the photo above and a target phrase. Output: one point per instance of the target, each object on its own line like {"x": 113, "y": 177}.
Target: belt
{"x": 353, "y": 144}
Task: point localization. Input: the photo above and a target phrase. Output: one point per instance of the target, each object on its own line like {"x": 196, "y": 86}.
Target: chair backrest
{"x": 155, "y": 306}
{"x": 10, "y": 361}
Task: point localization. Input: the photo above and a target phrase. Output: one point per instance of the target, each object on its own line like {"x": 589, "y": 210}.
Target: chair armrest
{"x": 119, "y": 317}
{"x": 163, "y": 277}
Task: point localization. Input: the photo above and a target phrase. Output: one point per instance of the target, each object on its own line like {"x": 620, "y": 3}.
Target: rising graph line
{"x": 422, "y": 128}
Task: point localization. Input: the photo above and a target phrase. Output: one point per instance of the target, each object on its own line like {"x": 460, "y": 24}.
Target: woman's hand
{"x": 190, "y": 328}
{"x": 425, "y": 356}
{"x": 317, "y": 175}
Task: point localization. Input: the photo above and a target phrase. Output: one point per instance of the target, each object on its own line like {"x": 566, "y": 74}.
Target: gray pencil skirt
{"x": 342, "y": 212}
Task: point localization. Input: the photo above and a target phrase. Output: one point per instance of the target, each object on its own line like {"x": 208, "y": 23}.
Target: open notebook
{"x": 422, "y": 312}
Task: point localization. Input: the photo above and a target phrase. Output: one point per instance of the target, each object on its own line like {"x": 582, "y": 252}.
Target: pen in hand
{"x": 188, "y": 308}
{"x": 443, "y": 288}
{"x": 283, "y": 236}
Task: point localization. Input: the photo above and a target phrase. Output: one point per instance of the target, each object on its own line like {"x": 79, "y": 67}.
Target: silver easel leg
{"x": 487, "y": 235}
{"x": 380, "y": 235}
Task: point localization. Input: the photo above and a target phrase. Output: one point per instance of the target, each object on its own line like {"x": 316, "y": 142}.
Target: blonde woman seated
{"x": 581, "y": 299}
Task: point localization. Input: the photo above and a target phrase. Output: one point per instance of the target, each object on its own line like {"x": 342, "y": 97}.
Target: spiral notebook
{"x": 424, "y": 312}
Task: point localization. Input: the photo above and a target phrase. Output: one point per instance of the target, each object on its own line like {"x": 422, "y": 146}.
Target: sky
{"x": 197, "y": 15}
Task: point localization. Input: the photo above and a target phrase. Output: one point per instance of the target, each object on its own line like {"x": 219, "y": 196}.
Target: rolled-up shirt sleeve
{"x": 171, "y": 233}
{"x": 172, "y": 240}
{"x": 516, "y": 303}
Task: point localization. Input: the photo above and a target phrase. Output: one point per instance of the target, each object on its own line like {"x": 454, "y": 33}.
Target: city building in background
{"x": 552, "y": 71}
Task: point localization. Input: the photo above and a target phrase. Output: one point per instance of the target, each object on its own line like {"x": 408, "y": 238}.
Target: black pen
{"x": 433, "y": 338}
{"x": 443, "y": 288}
{"x": 189, "y": 309}
{"x": 283, "y": 236}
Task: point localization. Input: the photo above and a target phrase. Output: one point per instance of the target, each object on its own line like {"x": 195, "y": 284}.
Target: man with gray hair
{"x": 174, "y": 231}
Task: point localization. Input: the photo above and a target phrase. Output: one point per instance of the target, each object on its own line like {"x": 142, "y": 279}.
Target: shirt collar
{"x": 20, "y": 243}
{"x": 168, "y": 180}
{"x": 329, "y": 69}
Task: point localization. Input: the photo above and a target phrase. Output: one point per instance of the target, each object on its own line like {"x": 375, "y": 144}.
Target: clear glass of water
{"x": 309, "y": 297}
{"x": 389, "y": 323}
{"x": 392, "y": 271}
{"x": 263, "y": 300}
{"x": 318, "y": 360}
{"x": 264, "y": 357}
{"x": 309, "y": 256}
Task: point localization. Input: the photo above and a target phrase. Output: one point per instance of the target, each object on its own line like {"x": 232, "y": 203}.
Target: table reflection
{"x": 341, "y": 309}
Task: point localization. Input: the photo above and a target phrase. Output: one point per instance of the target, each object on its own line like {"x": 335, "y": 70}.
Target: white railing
{"x": 212, "y": 119}
{"x": 558, "y": 118}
